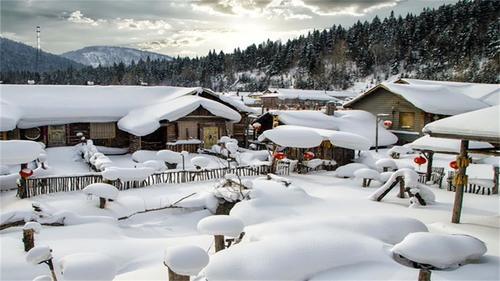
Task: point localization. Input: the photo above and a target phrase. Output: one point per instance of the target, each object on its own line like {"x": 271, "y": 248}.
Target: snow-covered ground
{"x": 308, "y": 208}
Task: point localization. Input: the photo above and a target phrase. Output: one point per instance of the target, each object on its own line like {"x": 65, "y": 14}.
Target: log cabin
{"x": 132, "y": 117}
{"x": 413, "y": 103}
{"x": 300, "y": 99}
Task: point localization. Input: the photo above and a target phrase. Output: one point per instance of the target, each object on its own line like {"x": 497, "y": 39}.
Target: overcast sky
{"x": 184, "y": 27}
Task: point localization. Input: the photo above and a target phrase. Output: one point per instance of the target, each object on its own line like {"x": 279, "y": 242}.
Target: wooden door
{"x": 210, "y": 136}
{"x": 57, "y": 135}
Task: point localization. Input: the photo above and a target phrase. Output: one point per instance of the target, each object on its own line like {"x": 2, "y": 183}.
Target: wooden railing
{"x": 45, "y": 185}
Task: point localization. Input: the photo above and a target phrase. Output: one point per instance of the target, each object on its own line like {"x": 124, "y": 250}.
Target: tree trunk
{"x": 172, "y": 276}
{"x": 224, "y": 208}
{"x": 424, "y": 275}
{"x": 219, "y": 243}
{"x": 28, "y": 239}
{"x": 459, "y": 191}
{"x": 102, "y": 202}
{"x": 428, "y": 174}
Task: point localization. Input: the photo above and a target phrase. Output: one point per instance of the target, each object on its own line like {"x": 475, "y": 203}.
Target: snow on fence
{"x": 45, "y": 185}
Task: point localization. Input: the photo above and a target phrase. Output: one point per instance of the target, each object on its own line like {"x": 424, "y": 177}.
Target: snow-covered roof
{"x": 358, "y": 122}
{"x": 318, "y": 95}
{"x": 27, "y": 106}
{"x": 234, "y": 100}
{"x": 444, "y": 145}
{"x": 440, "y": 97}
{"x": 481, "y": 124}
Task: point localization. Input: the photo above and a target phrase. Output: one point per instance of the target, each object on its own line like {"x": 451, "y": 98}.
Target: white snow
{"x": 43, "y": 278}
{"x": 186, "y": 260}
{"x": 156, "y": 165}
{"x": 313, "y": 163}
{"x": 87, "y": 266}
{"x": 127, "y": 174}
{"x": 315, "y": 95}
{"x": 221, "y": 225}
{"x": 440, "y": 250}
{"x": 471, "y": 124}
{"x": 200, "y": 162}
{"x": 35, "y": 226}
{"x": 444, "y": 145}
{"x": 169, "y": 156}
{"x": 366, "y": 173}
{"x": 39, "y": 254}
{"x": 103, "y": 190}
{"x": 386, "y": 163}
{"x": 14, "y": 152}
{"x": 143, "y": 121}
{"x": 347, "y": 171}
{"x": 292, "y": 136}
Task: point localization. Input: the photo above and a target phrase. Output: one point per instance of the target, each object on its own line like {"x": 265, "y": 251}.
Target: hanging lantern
{"x": 26, "y": 173}
{"x": 420, "y": 160}
{"x": 453, "y": 165}
{"x": 387, "y": 124}
{"x": 309, "y": 155}
{"x": 279, "y": 155}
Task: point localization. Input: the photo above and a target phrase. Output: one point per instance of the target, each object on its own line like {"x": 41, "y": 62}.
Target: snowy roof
{"x": 358, "y": 122}
{"x": 444, "y": 145}
{"x": 446, "y": 98}
{"x": 317, "y": 95}
{"x": 235, "y": 101}
{"x": 27, "y": 106}
{"x": 481, "y": 125}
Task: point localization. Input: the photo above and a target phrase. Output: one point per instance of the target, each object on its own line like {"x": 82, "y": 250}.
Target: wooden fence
{"x": 45, "y": 185}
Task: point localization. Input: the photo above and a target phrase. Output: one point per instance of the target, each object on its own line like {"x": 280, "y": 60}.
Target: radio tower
{"x": 38, "y": 50}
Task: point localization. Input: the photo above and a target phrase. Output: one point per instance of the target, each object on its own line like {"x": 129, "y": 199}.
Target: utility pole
{"x": 38, "y": 49}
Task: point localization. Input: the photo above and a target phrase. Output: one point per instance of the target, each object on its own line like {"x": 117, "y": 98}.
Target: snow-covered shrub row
{"x": 226, "y": 146}
{"x": 93, "y": 157}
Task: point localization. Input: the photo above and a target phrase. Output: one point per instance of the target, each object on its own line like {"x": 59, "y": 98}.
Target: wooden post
{"x": 102, "y": 202}
{"x": 51, "y": 267}
{"x": 424, "y": 275}
{"x": 219, "y": 243}
{"x": 172, "y": 276}
{"x": 429, "y": 155}
{"x": 28, "y": 239}
{"x": 459, "y": 191}
{"x": 401, "y": 187}
{"x": 495, "y": 180}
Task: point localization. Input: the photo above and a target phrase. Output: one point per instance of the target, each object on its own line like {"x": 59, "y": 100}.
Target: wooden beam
{"x": 459, "y": 191}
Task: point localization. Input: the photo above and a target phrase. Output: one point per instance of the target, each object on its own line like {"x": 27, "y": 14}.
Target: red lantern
{"x": 26, "y": 173}
{"x": 309, "y": 155}
{"x": 387, "y": 123}
{"x": 279, "y": 155}
{"x": 420, "y": 160}
{"x": 453, "y": 165}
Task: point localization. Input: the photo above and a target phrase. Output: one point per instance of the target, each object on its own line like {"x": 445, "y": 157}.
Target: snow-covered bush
{"x": 200, "y": 162}
{"x": 440, "y": 250}
{"x": 347, "y": 171}
{"x": 87, "y": 266}
{"x": 186, "y": 260}
{"x": 169, "y": 156}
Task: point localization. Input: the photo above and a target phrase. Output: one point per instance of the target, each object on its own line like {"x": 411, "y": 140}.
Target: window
{"x": 102, "y": 130}
{"x": 406, "y": 120}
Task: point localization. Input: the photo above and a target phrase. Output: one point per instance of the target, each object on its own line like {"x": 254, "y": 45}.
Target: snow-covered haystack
{"x": 200, "y": 162}
{"x": 102, "y": 190}
{"x": 386, "y": 164}
{"x": 410, "y": 178}
{"x": 251, "y": 261}
{"x": 87, "y": 266}
{"x": 367, "y": 175}
{"x": 39, "y": 254}
{"x": 186, "y": 260}
{"x": 127, "y": 174}
{"x": 221, "y": 225}
{"x": 14, "y": 152}
{"x": 347, "y": 171}
{"x": 440, "y": 250}
{"x": 156, "y": 165}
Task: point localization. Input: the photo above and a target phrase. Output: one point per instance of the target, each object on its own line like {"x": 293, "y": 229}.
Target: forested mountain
{"x": 15, "y": 56}
{"x": 459, "y": 42}
{"x": 109, "y": 55}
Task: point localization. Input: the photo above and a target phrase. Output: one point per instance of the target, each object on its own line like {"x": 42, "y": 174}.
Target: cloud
{"x": 132, "y": 24}
{"x": 78, "y": 17}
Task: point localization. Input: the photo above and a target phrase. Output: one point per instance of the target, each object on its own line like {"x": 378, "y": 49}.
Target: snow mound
{"x": 221, "y": 225}
{"x": 156, "y": 165}
{"x": 103, "y": 190}
{"x": 39, "y": 254}
{"x": 200, "y": 200}
{"x": 440, "y": 250}
{"x": 14, "y": 152}
{"x": 169, "y": 156}
{"x": 347, "y": 171}
{"x": 141, "y": 156}
{"x": 385, "y": 176}
{"x": 87, "y": 266}
{"x": 43, "y": 278}
{"x": 313, "y": 163}
{"x": 388, "y": 163}
{"x": 127, "y": 174}
{"x": 366, "y": 173}
{"x": 200, "y": 162}
{"x": 186, "y": 259}
{"x": 292, "y": 136}
{"x": 35, "y": 226}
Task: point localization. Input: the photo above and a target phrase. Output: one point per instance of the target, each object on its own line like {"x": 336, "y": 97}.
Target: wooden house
{"x": 296, "y": 99}
{"x": 133, "y": 117}
{"x": 411, "y": 103}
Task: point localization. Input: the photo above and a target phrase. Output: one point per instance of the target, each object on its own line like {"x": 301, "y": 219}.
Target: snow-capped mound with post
{"x": 143, "y": 121}
{"x": 440, "y": 250}
{"x": 386, "y": 164}
{"x": 347, "y": 171}
{"x": 127, "y": 174}
{"x": 156, "y": 165}
{"x": 221, "y": 225}
{"x": 186, "y": 260}
{"x": 88, "y": 266}
{"x": 39, "y": 254}
{"x": 103, "y": 190}
{"x": 200, "y": 162}
{"x": 14, "y": 152}
{"x": 33, "y": 225}
{"x": 367, "y": 173}
{"x": 169, "y": 156}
